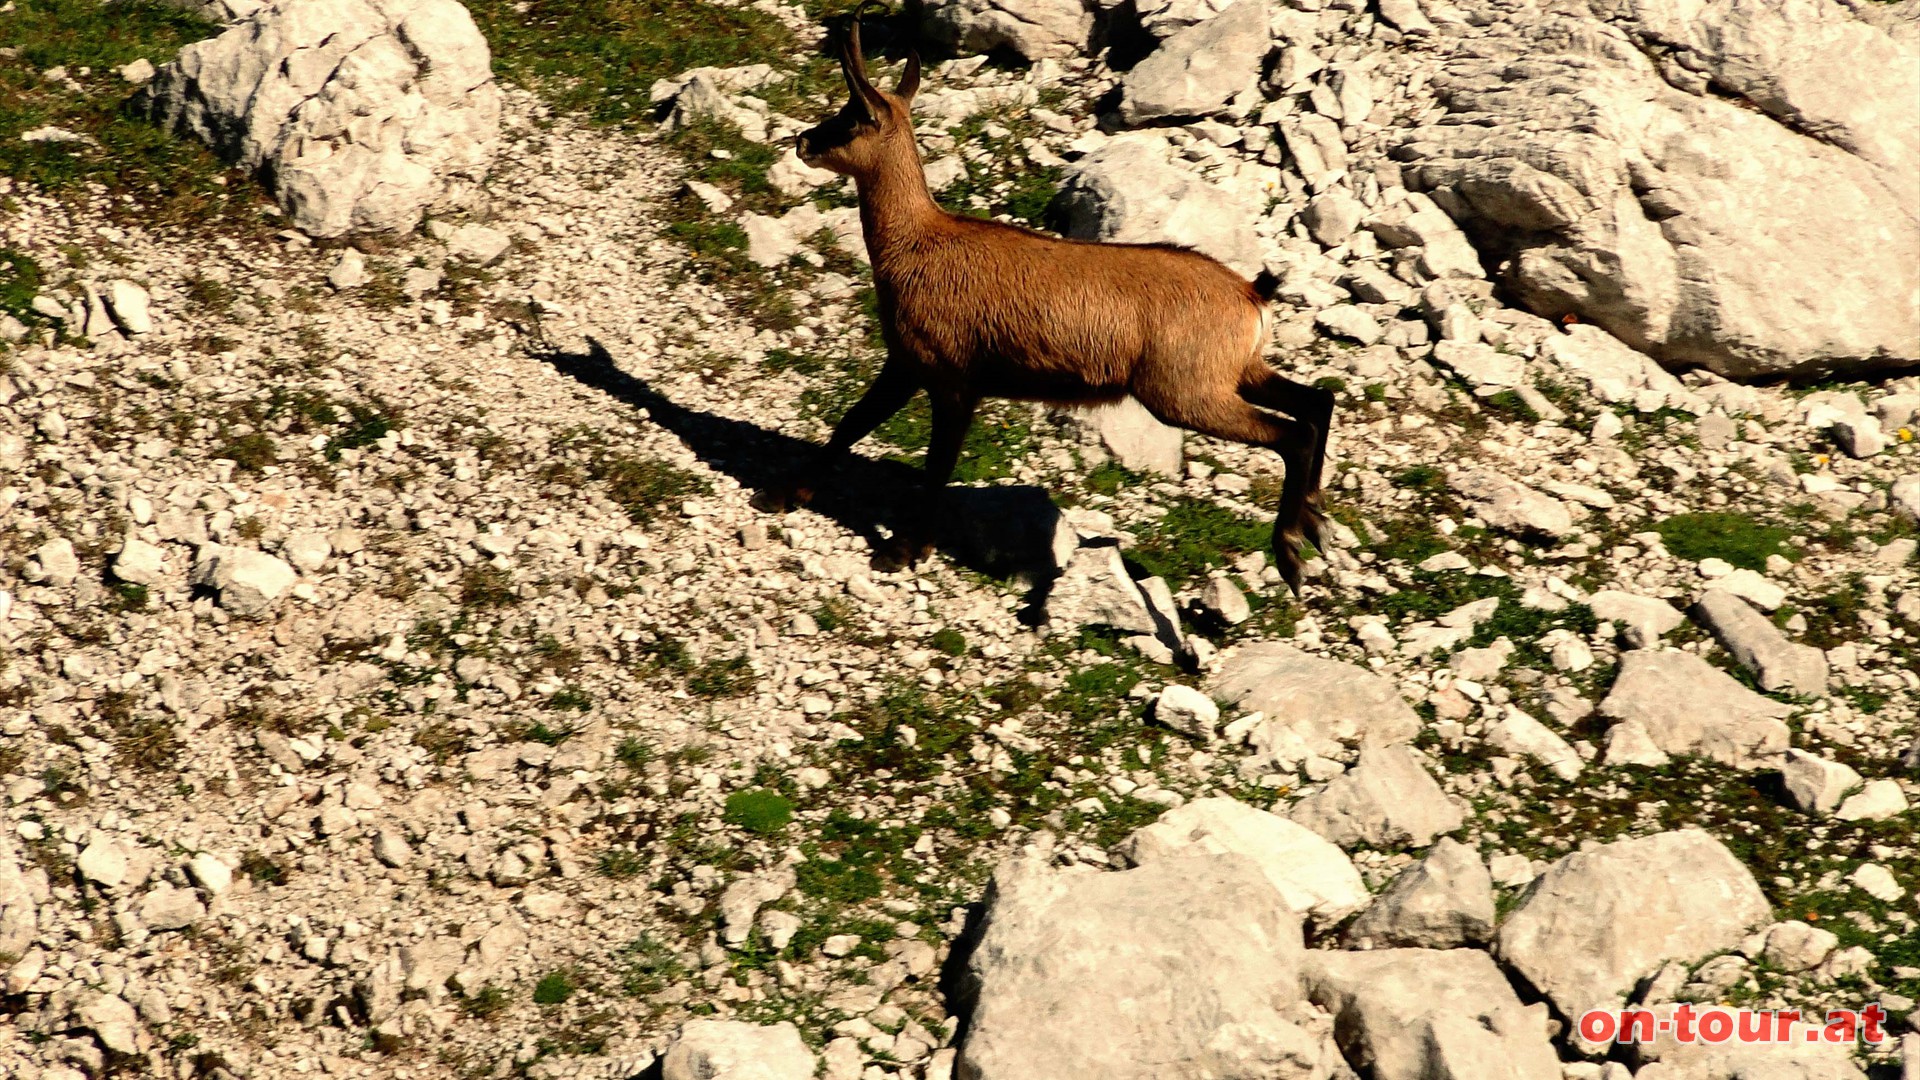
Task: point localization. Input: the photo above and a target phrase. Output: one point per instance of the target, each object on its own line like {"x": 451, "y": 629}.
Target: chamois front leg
{"x": 890, "y": 392}
{"x": 952, "y": 416}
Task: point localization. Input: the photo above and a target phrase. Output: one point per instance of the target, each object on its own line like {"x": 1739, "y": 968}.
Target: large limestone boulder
{"x": 1725, "y": 184}
{"x": 249, "y": 583}
{"x": 363, "y": 114}
{"x": 1685, "y": 705}
{"x": 1314, "y": 877}
{"x": 1201, "y": 70}
{"x": 1130, "y": 192}
{"x": 1427, "y": 1014}
{"x": 1600, "y": 920}
{"x": 1032, "y": 29}
{"x": 1184, "y": 968}
{"x": 1311, "y": 705}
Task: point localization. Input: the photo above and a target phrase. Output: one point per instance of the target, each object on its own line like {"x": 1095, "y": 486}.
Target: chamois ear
{"x": 909, "y": 77}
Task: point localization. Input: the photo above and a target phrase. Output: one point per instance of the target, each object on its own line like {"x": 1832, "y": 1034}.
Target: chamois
{"x": 971, "y": 309}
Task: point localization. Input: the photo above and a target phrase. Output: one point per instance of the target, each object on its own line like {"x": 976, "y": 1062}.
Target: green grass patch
{"x": 1736, "y": 538}
{"x": 175, "y": 180}
{"x": 759, "y": 811}
{"x": 554, "y": 988}
{"x": 1194, "y": 536}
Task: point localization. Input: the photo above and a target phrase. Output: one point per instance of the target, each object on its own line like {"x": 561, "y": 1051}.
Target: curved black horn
{"x": 854, "y": 60}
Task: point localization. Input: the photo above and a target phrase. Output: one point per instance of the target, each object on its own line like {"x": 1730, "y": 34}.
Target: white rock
{"x": 1750, "y": 586}
{"x": 210, "y": 873}
{"x": 1180, "y": 969}
{"x": 1201, "y": 69}
{"x": 477, "y": 244}
{"x": 1315, "y": 878}
{"x": 1878, "y": 800}
{"x": 743, "y": 898}
{"x": 1813, "y": 783}
{"x": 735, "y": 1050}
{"x": 1310, "y": 705}
{"x": 140, "y": 563}
{"x": 1032, "y": 29}
{"x": 1760, "y": 647}
{"x": 250, "y": 583}
{"x": 1188, "y": 711}
{"x": 1653, "y": 266}
{"x": 1643, "y": 620}
{"x": 1135, "y": 438}
{"x": 1444, "y": 901}
{"x": 350, "y": 272}
{"x": 114, "y": 1022}
{"x": 1601, "y": 919}
{"x": 54, "y": 563}
{"x": 103, "y": 862}
{"x": 1685, "y": 705}
{"x": 129, "y": 303}
{"x": 1509, "y": 505}
{"x": 1421, "y": 1014}
{"x": 1520, "y": 734}
{"x": 1387, "y": 801}
{"x": 1878, "y": 882}
{"x": 168, "y": 908}
{"x": 1793, "y": 946}
{"x": 1129, "y": 192}
{"x": 307, "y": 551}
{"x": 363, "y": 117}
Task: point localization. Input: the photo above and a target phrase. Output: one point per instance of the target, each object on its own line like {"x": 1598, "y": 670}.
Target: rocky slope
{"x": 398, "y": 682}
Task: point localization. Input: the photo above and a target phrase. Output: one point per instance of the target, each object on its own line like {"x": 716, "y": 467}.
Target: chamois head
{"x": 874, "y": 124}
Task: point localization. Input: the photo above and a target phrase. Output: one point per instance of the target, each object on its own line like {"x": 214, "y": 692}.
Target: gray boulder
{"x": 1182, "y": 969}
{"x": 1430, "y": 1014}
{"x": 1387, "y": 800}
{"x": 1759, "y": 646}
{"x": 1441, "y": 902}
{"x": 1684, "y": 705}
{"x": 1775, "y": 233}
{"x": 1033, "y": 29}
{"x": 1201, "y": 70}
{"x": 1130, "y": 192}
{"x": 1600, "y": 920}
{"x": 1311, "y": 705}
{"x": 363, "y": 114}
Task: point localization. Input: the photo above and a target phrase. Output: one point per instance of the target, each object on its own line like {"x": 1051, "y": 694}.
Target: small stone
{"x": 103, "y": 862}
{"x": 139, "y": 563}
{"x": 307, "y": 551}
{"x": 477, "y": 244}
{"x": 1221, "y": 598}
{"x": 1878, "y": 800}
{"x": 168, "y": 908}
{"x": 210, "y": 873}
{"x": 1187, "y": 711}
{"x": 350, "y": 272}
{"x": 1878, "y": 882}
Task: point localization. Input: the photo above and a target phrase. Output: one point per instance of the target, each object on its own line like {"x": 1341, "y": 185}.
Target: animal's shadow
{"x": 998, "y": 531}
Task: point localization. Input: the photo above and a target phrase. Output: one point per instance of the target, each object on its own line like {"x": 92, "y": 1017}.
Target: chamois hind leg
{"x": 1230, "y": 417}
{"x": 952, "y": 416}
{"x": 1311, "y": 405}
{"x": 890, "y": 392}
